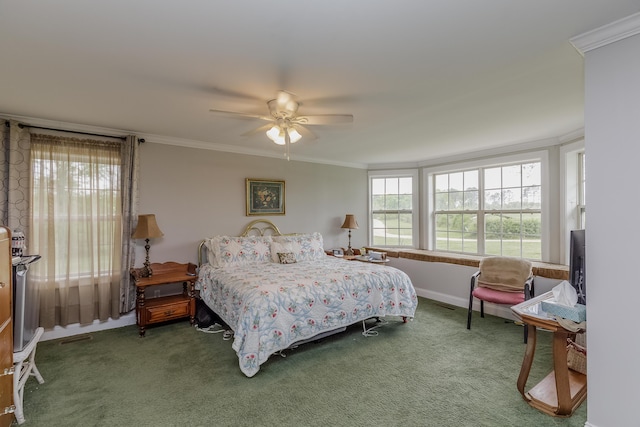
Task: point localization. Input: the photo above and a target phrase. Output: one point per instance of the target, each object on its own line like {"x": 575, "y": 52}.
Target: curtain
{"x": 130, "y": 161}
{"x": 77, "y": 227}
{"x": 14, "y": 158}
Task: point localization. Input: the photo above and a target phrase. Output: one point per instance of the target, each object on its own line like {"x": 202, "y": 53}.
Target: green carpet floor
{"x": 429, "y": 372}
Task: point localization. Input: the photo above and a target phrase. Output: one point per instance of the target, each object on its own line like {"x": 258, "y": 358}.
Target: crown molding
{"x": 180, "y": 142}
{"x": 203, "y": 145}
{"x": 607, "y": 34}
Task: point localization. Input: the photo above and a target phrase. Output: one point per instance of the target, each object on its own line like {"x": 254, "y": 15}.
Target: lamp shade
{"x": 350, "y": 222}
{"x": 147, "y": 227}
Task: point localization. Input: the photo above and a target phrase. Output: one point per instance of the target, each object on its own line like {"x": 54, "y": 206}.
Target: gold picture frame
{"x": 265, "y": 197}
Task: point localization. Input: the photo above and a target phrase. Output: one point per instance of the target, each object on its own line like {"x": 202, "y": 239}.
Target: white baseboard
{"x": 489, "y": 308}
{"x": 77, "y": 329}
{"x": 130, "y": 318}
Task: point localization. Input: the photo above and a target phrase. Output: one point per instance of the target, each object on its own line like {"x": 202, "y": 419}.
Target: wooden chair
{"x": 24, "y": 363}
{"x": 501, "y": 280}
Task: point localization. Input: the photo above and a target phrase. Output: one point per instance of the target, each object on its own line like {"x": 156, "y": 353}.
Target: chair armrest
{"x": 474, "y": 279}
{"x": 529, "y": 290}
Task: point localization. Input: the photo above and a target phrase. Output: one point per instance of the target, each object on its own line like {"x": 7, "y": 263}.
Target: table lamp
{"x": 146, "y": 229}
{"x": 350, "y": 223}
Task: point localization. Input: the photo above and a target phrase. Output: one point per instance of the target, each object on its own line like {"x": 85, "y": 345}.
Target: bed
{"x": 275, "y": 291}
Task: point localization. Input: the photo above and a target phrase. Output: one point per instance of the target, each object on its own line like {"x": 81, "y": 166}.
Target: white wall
{"x": 198, "y": 193}
{"x": 612, "y": 142}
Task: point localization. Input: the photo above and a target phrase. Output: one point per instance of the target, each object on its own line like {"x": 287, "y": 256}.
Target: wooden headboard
{"x": 260, "y": 227}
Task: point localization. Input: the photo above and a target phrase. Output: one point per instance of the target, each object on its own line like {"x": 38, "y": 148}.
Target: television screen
{"x": 577, "y": 265}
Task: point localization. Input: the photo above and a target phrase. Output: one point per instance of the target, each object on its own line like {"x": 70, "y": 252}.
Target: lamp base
{"x": 145, "y": 271}
{"x": 349, "y": 251}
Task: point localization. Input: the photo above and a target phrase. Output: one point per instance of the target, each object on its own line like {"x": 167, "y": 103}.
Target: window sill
{"x": 540, "y": 269}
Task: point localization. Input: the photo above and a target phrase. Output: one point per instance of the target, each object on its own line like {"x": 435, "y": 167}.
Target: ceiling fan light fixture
{"x": 276, "y": 134}
{"x": 294, "y": 135}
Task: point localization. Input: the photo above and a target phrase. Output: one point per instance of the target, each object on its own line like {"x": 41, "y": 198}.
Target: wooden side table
{"x": 161, "y": 309}
{"x": 563, "y": 390}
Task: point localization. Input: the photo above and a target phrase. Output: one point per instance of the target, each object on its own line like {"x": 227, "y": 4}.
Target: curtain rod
{"x": 20, "y": 125}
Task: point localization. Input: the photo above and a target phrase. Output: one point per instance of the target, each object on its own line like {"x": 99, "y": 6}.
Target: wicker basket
{"x": 576, "y": 357}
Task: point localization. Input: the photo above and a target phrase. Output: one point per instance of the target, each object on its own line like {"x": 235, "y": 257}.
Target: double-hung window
{"x": 492, "y": 209}
{"x": 393, "y": 208}
{"x": 582, "y": 186}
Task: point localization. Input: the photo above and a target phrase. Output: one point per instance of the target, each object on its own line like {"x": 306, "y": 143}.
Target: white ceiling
{"x": 424, "y": 79}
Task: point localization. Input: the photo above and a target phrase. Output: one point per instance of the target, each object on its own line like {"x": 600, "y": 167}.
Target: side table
{"x": 563, "y": 390}
{"x": 161, "y": 309}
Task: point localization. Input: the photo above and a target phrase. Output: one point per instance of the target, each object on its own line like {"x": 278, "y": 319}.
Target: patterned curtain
{"x": 130, "y": 161}
{"x": 15, "y": 174}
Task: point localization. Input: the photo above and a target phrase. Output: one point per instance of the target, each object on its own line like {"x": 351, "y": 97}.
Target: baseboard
{"x": 130, "y": 318}
{"x": 489, "y": 308}
{"x": 77, "y": 329}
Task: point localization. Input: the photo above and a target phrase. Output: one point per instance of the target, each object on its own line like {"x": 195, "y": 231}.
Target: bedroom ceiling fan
{"x": 284, "y": 125}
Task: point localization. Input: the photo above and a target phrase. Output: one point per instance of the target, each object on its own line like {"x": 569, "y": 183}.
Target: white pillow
{"x": 305, "y": 246}
{"x": 277, "y": 247}
{"x": 229, "y": 250}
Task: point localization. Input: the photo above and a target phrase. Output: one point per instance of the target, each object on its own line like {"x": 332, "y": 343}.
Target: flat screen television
{"x": 577, "y": 265}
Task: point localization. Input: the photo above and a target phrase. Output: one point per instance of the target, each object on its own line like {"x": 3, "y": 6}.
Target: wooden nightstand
{"x": 161, "y": 309}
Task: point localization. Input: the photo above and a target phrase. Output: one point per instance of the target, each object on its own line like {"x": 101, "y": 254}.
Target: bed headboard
{"x": 260, "y": 227}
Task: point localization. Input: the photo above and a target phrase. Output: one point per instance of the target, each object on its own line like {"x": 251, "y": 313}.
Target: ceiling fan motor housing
{"x": 283, "y": 108}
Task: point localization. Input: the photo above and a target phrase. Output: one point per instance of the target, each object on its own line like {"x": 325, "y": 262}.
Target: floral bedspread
{"x": 270, "y": 306}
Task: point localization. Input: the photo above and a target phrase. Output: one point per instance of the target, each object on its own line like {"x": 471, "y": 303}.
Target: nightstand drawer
{"x": 166, "y": 308}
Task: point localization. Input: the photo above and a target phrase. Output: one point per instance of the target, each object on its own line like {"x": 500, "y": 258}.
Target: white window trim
{"x": 569, "y": 193}
{"x": 534, "y": 156}
{"x": 415, "y": 199}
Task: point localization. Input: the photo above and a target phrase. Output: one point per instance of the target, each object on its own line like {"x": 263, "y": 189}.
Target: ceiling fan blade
{"x": 307, "y": 135}
{"x": 325, "y": 119}
{"x": 261, "y": 129}
{"x": 237, "y": 115}
{"x": 233, "y": 94}
{"x": 330, "y": 101}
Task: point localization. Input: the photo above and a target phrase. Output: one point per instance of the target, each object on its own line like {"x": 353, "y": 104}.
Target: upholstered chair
{"x": 501, "y": 280}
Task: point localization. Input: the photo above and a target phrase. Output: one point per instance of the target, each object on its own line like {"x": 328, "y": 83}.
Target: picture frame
{"x": 265, "y": 197}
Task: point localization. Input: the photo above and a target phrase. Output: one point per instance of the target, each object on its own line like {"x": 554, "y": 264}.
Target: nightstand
{"x": 161, "y": 309}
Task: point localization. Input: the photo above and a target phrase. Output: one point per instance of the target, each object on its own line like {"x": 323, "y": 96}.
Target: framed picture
{"x": 265, "y": 197}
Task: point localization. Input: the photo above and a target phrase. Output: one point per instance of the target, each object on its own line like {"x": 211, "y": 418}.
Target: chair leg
{"x": 18, "y": 392}
{"x": 470, "y": 311}
{"x": 482, "y": 308}
{"x": 526, "y": 332}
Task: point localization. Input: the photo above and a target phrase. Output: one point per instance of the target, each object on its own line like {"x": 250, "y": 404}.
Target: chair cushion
{"x": 498, "y": 297}
{"x": 506, "y": 274}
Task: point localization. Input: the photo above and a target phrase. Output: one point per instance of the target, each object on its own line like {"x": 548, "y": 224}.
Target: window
{"x": 76, "y": 201}
{"x": 582, "y": 186}
{"x": 393, "y": 208}
{"x": 489, "y": 210}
